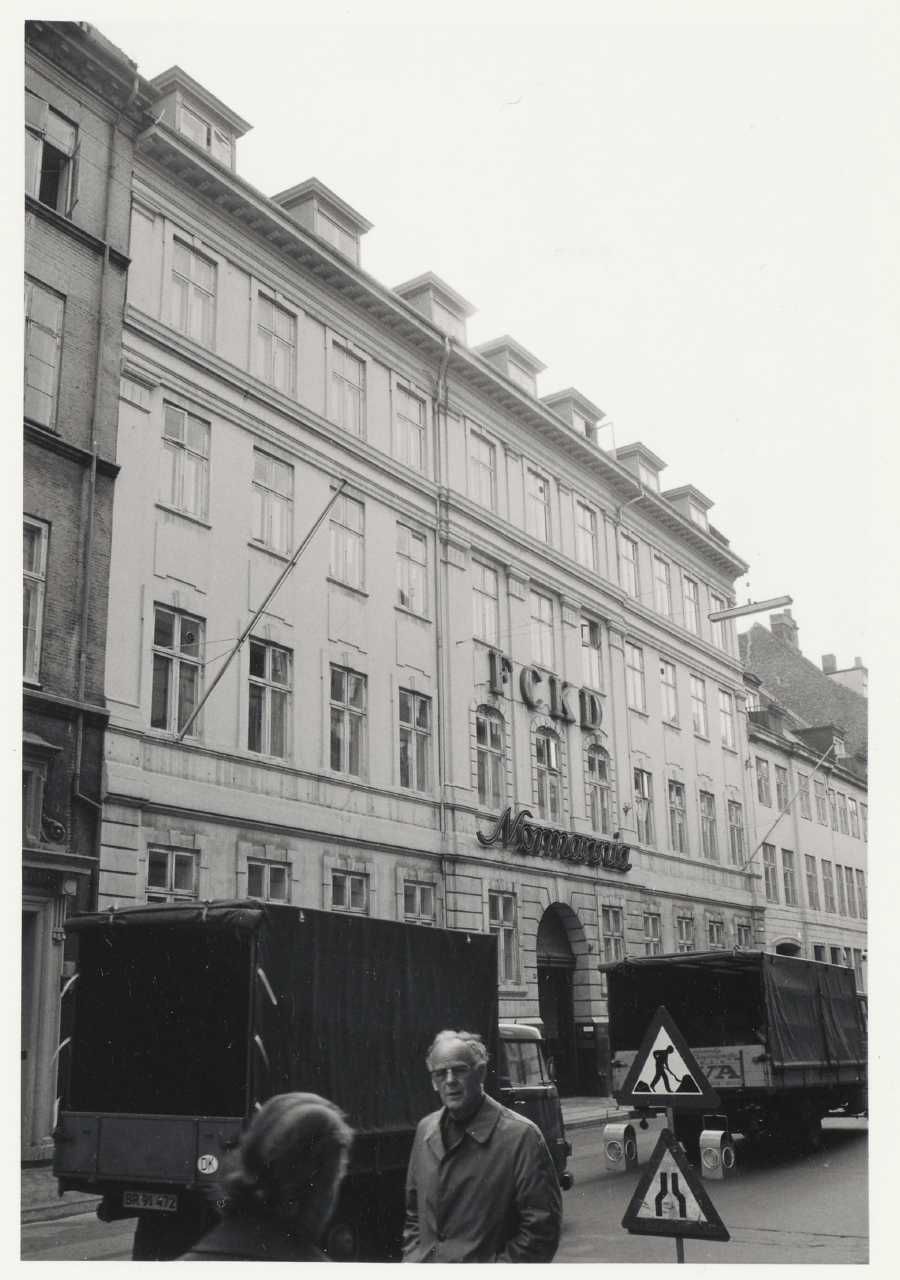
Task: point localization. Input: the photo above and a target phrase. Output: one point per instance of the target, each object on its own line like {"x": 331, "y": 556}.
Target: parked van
{"x": 525, "y": 1084}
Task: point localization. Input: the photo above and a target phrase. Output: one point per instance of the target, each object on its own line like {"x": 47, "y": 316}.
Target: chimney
{"x": 784, "y": 628}
{"x": 829, "y": 663}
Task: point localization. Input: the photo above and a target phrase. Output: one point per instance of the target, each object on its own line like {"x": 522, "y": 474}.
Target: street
{"x": 798, "y": 1210}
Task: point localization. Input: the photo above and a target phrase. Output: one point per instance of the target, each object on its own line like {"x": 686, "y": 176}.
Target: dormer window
{"x": 648, "y": 477}
{"x": 839, "y": 749}
{"x": 344, "y": 240}
{"x": 322, "y": 211}
{"x": 582, "y": 425}
{"x": 195, "y": 113}
{"x": 205, "y": 135}
{"x": 445, "y": 319}
{"x": 434, "y": 299}
{"x": 521, "y": 377}
{"x": 698, "y": 516}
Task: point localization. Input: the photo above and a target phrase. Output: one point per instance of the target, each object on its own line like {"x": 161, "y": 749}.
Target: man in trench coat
{"x": 481, "y": 1184}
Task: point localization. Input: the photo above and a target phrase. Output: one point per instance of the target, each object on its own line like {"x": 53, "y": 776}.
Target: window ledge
{"x": 411, "y": 613}
{"x": 637, "y": 711}
{"x": 31, "y": 684}
{"x": 732, "y": 751}
{"x": 505, "y": 989}
{"x": 672, "y": 724}
{"x": 701, "y": 737}
{"x": 356, "y": 591}
{"x": 267, "y": 550}
{"x": 185, "y": 515}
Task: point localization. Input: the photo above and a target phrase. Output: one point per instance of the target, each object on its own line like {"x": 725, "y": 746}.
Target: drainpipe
{"x": 440, "y": 596}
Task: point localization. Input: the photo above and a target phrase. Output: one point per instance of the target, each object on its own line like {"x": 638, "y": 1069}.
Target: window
{"x": 34, "y": 583}
{"x": 828, "y": 886}
{"x": 763, "y": 789}
{"x": 628, "y": 565}
{"x": 652, "y": 934}
{"x": 537, "y": 505}
{"x": 837, "y": 955}
{"x": 43, "y": 344}
{"x": 337, "y": 236}
{"x": 699, "y": 720}
{"x": 743, "y": 936}
{"x": 542, "y": 630}
{"x": 770, "y": 871}
{"x": 549, "y": 778}
{"x": 803, "y": 795}
{"x": 859, "y": 969}
{"x": 684, "y": 930}
{"x": 489, "y": 754}
{"x": 842, "y": 813}
{"x": 812, "y": 883}
{"x": 193, "y": 294}
{"x": 691, "y": 606}
{"x": 736, "y": 832}
{"x": 485, "y": 603}
{"x": 177, "y": 670}
{"x": 789, "y": 878}
{"x": 643, "y": 806}
{"x": 585, "y": 536}
{"x": 669, "y": 691}
{"x": 268, "y": 881}
{"x": 726, "y": 718}
{"x": 273, "y": 502}
{"x": 781, "y": 788}
{"x": 269, "y": 694}
{"x": 662, "y": 586}
{"x": 171, "y": 875}
{"x": 276, "y": 345}
{"x": 34, "y": 779}
{"x": 718, "y": 630}
{"x": 348, "y": 531}
{"x": 864, "y": 820}
{"x": 698, "y": 516}
{"x": 185, "y": 470}
{"x": 521, "y": 377}
{"x": 634, "y": 677}
{"x": 482, "y": 470}
{"x": 591, "y": 671}
{"x": 350, "y": 892}
{"x": 709, "y": 836}
{"x": 821, "y": 806}
{"x": 51, "y": 155}
{"x": 599, "y": 806}
{"x": 715, "y": 934}
{"x": 412, "y": 558}
{"x": 613, "y": 934}
{"x": 502, "y": 924}
{"x": 851, "y": 892}
{"x": 648, "y": 476}
{"x": 348, "y": 721}
{"x": 410, "y": 429}
{"x": 853, "y": 809}
{"x": 677, "y": 817}
{"x": 819, "y": 952}
{"x": 861, "y": 893}
{"x": 418, "y": 902}
{"x": 205, "y": 135}
{"x": 348, "y": 386}
{"x": 415, "y": 740}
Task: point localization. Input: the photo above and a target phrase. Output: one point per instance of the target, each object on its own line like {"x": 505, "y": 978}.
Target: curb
{"x": 55, "y": 1209}
{"x": 600, "y": 1117}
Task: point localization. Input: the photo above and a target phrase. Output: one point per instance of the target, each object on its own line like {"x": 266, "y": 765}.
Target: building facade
{"x": 83, "y": 102}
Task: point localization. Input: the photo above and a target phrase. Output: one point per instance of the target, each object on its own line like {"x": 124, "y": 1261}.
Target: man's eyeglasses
{"x": 458, "y": 1072}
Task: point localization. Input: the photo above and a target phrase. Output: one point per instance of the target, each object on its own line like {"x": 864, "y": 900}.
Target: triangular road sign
{"x": 670, "y": 1199}
{"x": 665, "y": 1073}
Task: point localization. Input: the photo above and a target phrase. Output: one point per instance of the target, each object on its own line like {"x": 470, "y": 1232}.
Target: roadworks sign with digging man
{"x": 665, "y": 1073}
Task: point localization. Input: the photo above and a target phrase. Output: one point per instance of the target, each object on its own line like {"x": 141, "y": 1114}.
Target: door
{"x": 555, "y": 966}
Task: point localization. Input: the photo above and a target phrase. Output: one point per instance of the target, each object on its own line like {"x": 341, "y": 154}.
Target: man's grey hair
{"x": 473, "y": 1043}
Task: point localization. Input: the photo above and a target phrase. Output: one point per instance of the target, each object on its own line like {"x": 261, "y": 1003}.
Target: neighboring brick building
{"x": 83, "y": 104}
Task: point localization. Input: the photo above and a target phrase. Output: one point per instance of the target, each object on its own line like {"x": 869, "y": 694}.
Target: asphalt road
{"x": 810, "y": 1209}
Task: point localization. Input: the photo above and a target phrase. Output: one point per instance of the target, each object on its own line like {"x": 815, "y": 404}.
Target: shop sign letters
{"x": 559, "y": 704}
{"x": 550, "y": 842}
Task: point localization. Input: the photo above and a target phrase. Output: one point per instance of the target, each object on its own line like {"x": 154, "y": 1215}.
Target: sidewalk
{"x": 578, "y": 1113}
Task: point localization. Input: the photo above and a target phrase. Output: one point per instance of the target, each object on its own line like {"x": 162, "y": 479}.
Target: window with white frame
{"x": 599, "y": 792}
{"x": 44, "y": 311}
{"x": 851, "y": 892}
{"x": 715, "y": 934}
{"x": 613, "y": 934}
{"x": 482, "y": 471}
{"x": 828, "y": 887}
{"x": 718, "y": 630}
{"x": 635, "y": 692}
{"x": 864, "y": 820}
{"x": 51, "y": 155}
{"x": 585, "y": 536}
{"x": 415, "y": 740}
{"x": 628, "y": 565}
{"x": 841, "y": 891}
{"x": 591, "y": 668}
{"x": 350, "y": 892}
{"x": 669, "y": 691}
{"x": 821, "y": 803}
{"x": 171, "y": 874}
{"x": 643, "y": 806}
{"x": 853, "y": 810}
{"x": 662, "y": 586}
{"x": 819, "y": 952}
{"x": 410, "y": 429}
{"x": 34, "y": 585}
{"x": 684, "y": 933}
{"x": 736, "y": 843}
{"x": 691, "y": 605}
{"x": 348, "y": 721}
{"x": 803, "y": 796}
{"x": 205, "y": 135}
{"x": 789, "y": 878}
{"x": 485, "y": 603}
{"x": 177, "y": 670}
{"x": 193, "y": 293}
{"x": 837, "y": 955}
{"x": 542, "y": 630}
{"x": 185, "y": 469}
{"x": 34, "y": 780}
{"x": 770, "y": 873}
{"x": 861, "y": 894}
{"x": 412, "y": 562}
{"x": 348, "y": 390}
{"x": 677, "y": 817}
{"x": 549, "y": 775}
{"x": 502, "y": 924}
{"x": 648, "y": 476}
{"x": 698, "y": 516}
{"x": 537, "y": 505}
{"x": 743, "y": 934}
{"x": 763, "y": 788}
{"x": 832, "y": 808}
{"x": 781, "y": 788}
{"x": 699, "y": 719}
{"x": 709, "y": 835}
{"x": 273, "y": 502}
{"x": 268, "y": 881}
{"x": 812, "y": 883}
{"x": 726, "y": 718}
{"x": 842, "y": 813}
{"x": 276, "y": 345}
{"x": 652, "y": 933}
{"x": 337, "y": 235}
{"x": 418, "y": 902}
{"x": 347, "y": 527}
{"x": 269, "y": 698}
{"x": 489, "y": 755}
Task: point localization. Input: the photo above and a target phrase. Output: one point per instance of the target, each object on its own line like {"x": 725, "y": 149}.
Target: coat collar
{"x": 480, "y": 1126}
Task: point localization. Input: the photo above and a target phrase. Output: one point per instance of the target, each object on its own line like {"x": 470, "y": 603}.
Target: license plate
{"x": 159, "y": 1201}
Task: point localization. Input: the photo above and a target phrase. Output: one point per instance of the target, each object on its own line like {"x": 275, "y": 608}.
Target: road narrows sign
{"x": 665, "y": 1073}
{"x": 670, "y": 1199}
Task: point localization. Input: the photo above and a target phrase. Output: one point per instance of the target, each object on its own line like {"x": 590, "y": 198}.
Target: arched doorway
{"x": 555, "y": 966}
{"x": 787, "y": 949}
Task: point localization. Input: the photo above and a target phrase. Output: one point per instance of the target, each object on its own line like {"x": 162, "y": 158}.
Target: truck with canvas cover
{"x": 781, "y": 1040}
{"x": 184, "y": 1017}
